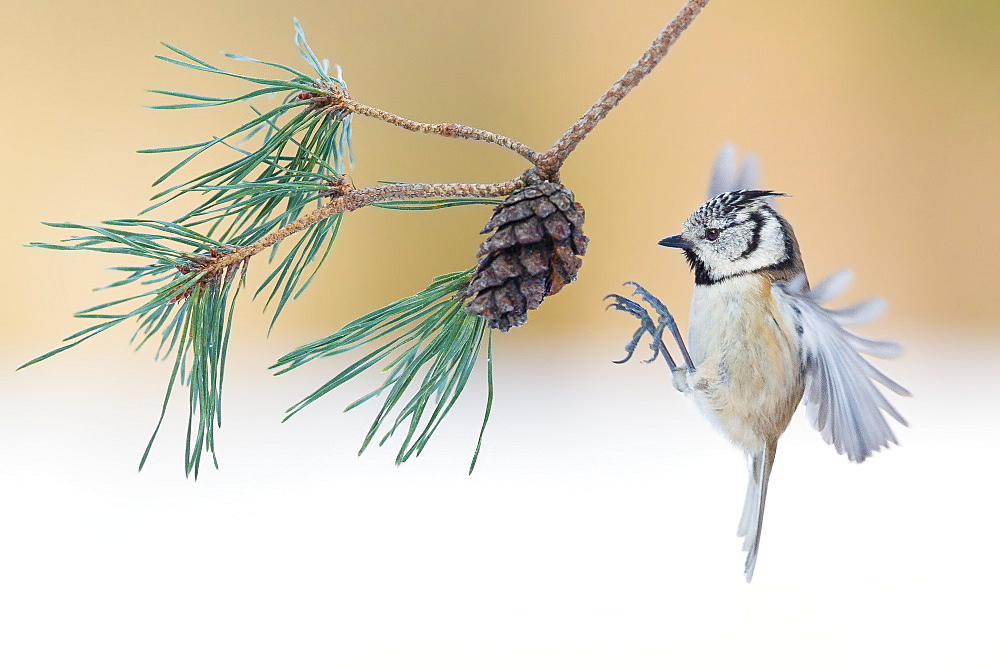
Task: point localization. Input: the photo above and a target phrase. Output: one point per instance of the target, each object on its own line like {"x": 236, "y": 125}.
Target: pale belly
{"x": 748, "y": 377}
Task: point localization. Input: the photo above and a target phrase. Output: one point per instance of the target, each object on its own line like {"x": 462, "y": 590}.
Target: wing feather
{"x": 728, "y": 174}
{"x": 841, "y": 397}
{"x": 723, "y": 177}
{"x": 858, "y": 314}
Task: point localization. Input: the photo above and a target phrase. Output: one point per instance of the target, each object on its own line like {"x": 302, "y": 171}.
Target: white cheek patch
{"x": 770, "y": 250}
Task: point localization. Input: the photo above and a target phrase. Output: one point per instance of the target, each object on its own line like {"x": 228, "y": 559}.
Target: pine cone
{"x": 533, "y": 252}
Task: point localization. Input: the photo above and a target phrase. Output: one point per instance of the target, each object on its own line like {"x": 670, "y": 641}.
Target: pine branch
{"x": 352, "y": 200}
{"x": 549, "y": 163}
{"x": 552, "y": 161}
{"x": 286, "y": 175}
{"x": 343, "y": 103}
{"x": 285, "y": 160}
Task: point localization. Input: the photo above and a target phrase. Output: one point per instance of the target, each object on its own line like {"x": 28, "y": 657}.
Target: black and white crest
{"x": 727, "y": 205}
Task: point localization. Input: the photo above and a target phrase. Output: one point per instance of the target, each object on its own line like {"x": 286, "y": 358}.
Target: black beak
{"x": 677, "y": 242}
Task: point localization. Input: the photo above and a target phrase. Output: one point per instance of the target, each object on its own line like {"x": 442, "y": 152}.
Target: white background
{"x": 598, "y": 529}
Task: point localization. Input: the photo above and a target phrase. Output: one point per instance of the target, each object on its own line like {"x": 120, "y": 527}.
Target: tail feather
{"x": 752, "y": 519}
{"x": 749, "y": 507}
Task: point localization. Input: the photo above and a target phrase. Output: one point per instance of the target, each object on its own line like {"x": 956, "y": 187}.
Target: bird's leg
{"x": 679, "y": 375}
{"x": 665, "y": 321}
{"x": 646, "y": 325}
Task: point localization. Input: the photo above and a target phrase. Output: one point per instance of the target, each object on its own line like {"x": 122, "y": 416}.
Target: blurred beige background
{"x": 596, "y": 530}
{"x": 880, "y": 118}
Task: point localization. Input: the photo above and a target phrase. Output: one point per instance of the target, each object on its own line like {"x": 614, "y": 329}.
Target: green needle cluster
{"x": 279, "y": 165}
{"x": 426, "y": 344}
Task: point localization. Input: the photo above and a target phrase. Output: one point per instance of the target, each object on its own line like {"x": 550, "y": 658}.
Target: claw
{"x": 625, "y": 304}
{"x": 666, "y": 321}
{"x": 630, "y": 346}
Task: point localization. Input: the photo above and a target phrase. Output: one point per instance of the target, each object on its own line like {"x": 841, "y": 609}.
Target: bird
{"x": 760, "y": 342}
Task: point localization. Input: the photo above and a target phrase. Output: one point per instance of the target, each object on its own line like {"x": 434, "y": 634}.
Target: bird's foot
{"x": 665, "y": 321}
{"x": 646, "y": 323}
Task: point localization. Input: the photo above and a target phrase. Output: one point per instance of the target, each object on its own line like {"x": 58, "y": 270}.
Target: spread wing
{"x": 841, "y": 397}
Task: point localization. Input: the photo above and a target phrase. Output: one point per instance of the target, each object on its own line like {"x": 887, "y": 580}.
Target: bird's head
{"x": 737, "y": 233}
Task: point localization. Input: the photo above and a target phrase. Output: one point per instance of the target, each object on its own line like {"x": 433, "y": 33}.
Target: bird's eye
{"x": 712, "y": 234}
